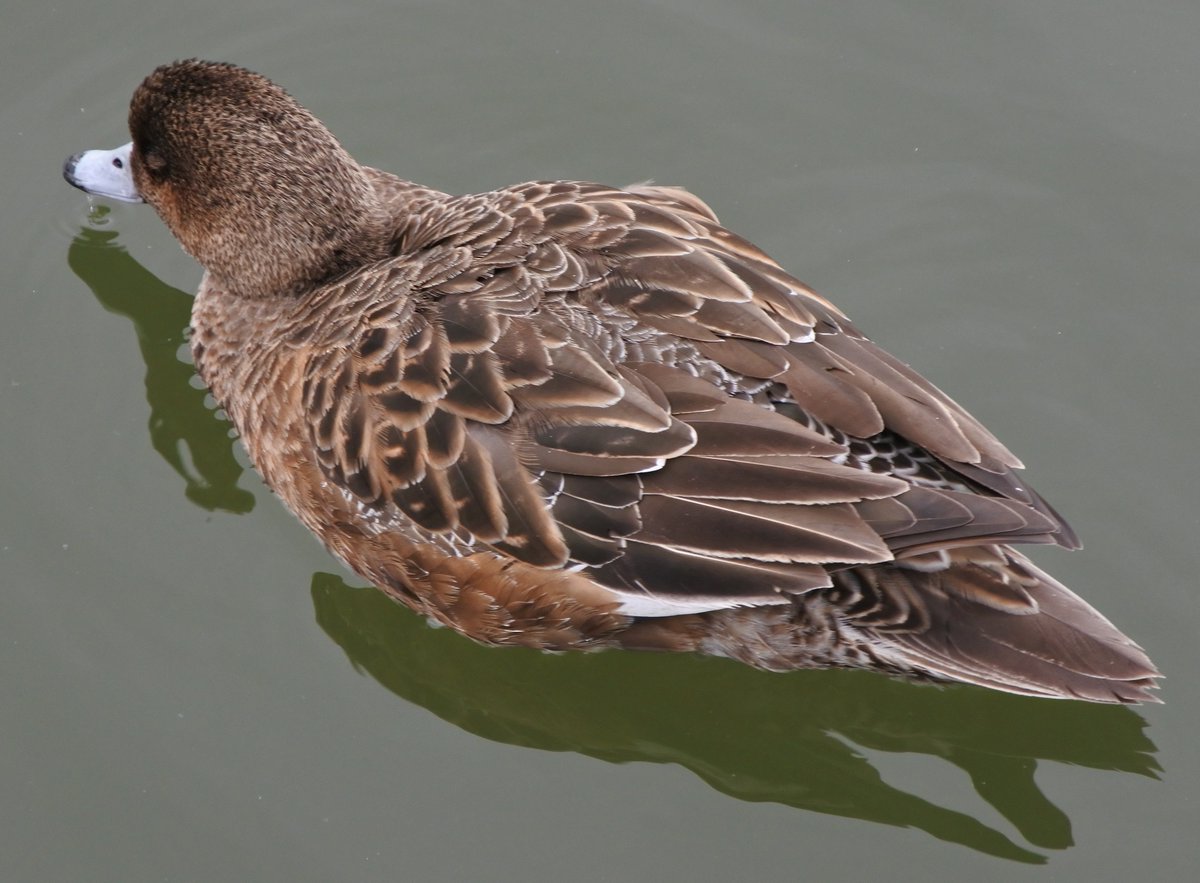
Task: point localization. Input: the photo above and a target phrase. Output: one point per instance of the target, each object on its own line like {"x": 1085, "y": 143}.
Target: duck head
{"x": 250, "y": 182}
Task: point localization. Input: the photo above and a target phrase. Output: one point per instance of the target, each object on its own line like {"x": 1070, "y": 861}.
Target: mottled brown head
{"x": 251, "y": 183}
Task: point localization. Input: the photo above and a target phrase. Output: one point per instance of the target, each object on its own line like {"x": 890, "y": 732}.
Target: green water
{"x": 1005, "y": 195}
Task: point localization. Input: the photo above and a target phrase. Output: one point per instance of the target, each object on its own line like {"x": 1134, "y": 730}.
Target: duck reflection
{"x": 183, "y": 429}
{"x": 823, "y": 741}
{"x": 804, "y": 739}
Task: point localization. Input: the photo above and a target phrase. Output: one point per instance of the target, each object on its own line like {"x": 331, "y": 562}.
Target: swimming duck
{"x": 570, "y": 416}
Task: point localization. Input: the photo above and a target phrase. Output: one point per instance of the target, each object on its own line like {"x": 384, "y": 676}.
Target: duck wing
{"x": 608, "y": 381}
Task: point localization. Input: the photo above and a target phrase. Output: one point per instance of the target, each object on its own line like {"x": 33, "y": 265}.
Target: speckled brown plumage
{"x": 571, "y": 416}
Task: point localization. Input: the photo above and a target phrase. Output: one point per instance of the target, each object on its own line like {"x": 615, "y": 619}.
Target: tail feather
{"x": 981, "y": 615}
{"x": 1058, "y": 646}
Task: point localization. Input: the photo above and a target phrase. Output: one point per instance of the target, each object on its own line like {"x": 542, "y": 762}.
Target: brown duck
{"x": 570, "y": 416}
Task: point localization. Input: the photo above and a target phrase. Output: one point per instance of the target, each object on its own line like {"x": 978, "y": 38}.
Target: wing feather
{"x": 574, "y": 376}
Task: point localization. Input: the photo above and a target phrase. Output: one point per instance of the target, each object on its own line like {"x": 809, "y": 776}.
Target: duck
{"x": 569, "y": 416}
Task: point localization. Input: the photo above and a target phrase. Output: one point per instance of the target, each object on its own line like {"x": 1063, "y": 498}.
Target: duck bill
{"x": 103, "y": 173}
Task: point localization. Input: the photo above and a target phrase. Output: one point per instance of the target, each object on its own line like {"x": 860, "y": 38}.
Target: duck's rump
{"x": 984, "y": 615}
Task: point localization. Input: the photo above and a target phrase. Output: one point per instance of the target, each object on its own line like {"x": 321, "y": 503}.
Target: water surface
{"x": 1005, "y": 195}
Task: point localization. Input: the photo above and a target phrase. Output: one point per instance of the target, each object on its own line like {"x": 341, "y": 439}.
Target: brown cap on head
{"x": 249, "y": 181}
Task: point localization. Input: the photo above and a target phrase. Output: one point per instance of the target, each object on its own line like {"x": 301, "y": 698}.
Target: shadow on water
{"x": 804, "y": 740}
{"x": 183, "y": 429}
{"x": 754, "y": 735}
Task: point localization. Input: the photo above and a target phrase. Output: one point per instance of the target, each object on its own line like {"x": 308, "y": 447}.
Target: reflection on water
{"x": 804, "y": 740}
{"x": 183, "y": 429}
{"x": 750, "y": 734}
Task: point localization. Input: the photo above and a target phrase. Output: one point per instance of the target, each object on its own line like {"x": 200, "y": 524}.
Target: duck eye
{"x": 154, "y": 161}
{"x": 117, "y": 162}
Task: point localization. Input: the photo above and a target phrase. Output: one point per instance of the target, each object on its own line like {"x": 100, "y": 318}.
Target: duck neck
{"x": 296, "y": 233}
